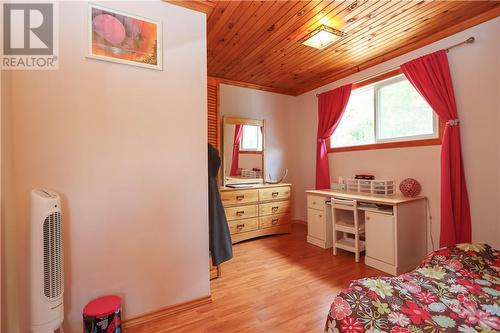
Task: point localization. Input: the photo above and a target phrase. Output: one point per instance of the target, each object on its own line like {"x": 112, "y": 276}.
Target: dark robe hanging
{"x": 220, "y": 245}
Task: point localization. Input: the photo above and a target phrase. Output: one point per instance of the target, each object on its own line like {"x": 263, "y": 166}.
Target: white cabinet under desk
{"x": 395, "y": 230}
{"x": 319, "y": 221}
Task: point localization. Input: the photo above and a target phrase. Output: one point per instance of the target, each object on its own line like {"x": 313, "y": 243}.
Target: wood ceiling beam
{"x": 237, "y": 23}
{"x": 255, "y": 37}
{"x": 288, "y": 32}
{"x": 256, "y": 86}
{"x": 320, "y": 66}
{"x": 267, "y": 23}
{"x": 237, "y": 33}
{"x": 409, "y": 40}
{"x": 197, "y": 5}
{"x": 305, "y": 57}
{"x": 288, "y": 42}
{"x": 446, "y": 32}
{"x": 247, "y": 35}
{"x": 256, "y": 44}
{"x": 360, "y": 51}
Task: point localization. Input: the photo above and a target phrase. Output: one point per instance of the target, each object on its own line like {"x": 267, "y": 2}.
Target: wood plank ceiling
{"x": 258, "y": 43}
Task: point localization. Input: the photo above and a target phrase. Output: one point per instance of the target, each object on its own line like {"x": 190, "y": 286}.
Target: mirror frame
{"x": 226, "y": 120}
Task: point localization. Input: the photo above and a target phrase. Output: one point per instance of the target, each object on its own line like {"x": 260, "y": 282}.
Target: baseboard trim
{"x": 318, "y": 242}
{"x": 165, "y": 312}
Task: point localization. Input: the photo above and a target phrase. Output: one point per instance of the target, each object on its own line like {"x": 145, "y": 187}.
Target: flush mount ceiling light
{"x": 322, "y": 37}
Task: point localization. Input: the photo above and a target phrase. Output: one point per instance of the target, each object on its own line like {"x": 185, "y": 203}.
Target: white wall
{"x": 475, "y": 73}
{"x": 10, "y": 287}
{"x": 274, "y": 109}
{"x": 112, "y": 139}
{"x": 3, "y": 105}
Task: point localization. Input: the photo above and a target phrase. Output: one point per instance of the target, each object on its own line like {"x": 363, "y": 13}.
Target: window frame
{"x": 390, "y": 143}
{"x": 250, "y": 151}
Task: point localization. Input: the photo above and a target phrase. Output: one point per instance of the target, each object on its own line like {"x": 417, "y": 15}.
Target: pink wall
{"x": 274, "y": 109}
{"x": 3, "y": 105}
{"x": 474, "y": 70}
{"x": 9, "y": 262}
{"x": 111, "y": 140}
{"x": 250, "y": 161}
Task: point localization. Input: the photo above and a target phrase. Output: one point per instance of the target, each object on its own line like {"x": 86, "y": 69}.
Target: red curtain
{"x": 430, "y": 75}
{"x": 331, "y": 106}
{"x": 238, "y": 132}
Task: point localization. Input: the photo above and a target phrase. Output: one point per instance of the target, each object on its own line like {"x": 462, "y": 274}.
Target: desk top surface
{"x": 393, "y": 199}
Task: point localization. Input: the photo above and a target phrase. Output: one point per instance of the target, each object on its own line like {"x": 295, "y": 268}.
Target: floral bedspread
{"x": 455, "y": 289}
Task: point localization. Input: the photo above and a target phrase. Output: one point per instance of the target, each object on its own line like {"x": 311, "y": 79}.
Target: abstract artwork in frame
{"x": 124, "y": 38}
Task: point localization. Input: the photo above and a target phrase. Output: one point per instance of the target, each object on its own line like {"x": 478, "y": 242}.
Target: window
{"x": 384, "y": 113}
{"x": 251, "y": 138}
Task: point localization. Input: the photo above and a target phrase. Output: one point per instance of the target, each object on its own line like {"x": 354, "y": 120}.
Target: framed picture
{"x": 124, "y": 38}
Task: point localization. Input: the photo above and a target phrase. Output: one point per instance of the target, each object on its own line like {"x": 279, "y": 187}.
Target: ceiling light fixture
{"x": 322, "y": 36}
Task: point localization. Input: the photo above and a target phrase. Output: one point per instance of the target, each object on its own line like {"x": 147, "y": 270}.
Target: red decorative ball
{"x": 410, "y": 187}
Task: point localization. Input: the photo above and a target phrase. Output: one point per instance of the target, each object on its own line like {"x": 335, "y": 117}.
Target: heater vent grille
{"x": 52, "y": 256}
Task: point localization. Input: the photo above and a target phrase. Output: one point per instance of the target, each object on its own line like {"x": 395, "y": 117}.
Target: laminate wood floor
{"x": 273, "y": 284}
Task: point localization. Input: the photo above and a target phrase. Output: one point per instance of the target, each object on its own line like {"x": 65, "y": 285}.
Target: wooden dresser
{"x": 257, "y": 211}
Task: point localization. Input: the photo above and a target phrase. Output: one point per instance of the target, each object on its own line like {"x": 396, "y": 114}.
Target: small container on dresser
{"x": 257, "y": 211}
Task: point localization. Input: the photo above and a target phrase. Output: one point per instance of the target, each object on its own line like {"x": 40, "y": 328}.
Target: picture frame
{"x": 124, "y": 38}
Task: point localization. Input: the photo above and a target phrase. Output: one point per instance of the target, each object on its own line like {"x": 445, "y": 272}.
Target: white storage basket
{"x": 383, "y": 187}
{"x": 376, "y": 186}
{"x": 247, "y": 173}
{"x": 352, "y": 185}
{"x": 365, "y": 186}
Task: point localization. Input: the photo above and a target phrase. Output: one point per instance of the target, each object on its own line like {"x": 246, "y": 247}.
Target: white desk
{"x": 395, "y": 243}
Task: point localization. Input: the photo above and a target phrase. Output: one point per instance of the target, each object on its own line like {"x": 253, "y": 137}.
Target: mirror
{"x": 243, "y": 145}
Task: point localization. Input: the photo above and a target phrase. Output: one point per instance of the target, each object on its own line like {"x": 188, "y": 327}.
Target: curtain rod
{"x": 469, "y": 40}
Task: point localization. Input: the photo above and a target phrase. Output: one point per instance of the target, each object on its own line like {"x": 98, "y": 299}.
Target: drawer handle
{"x": 240, "y": 213}
{"x": 367, "y": 218}
{"x": 275, "y": 209}
{"x": 275, "y": 194}
{"x": 275, "y": 221}
{"x": 240, "y": 197}
{"x": 320, "y": 215}
{"x": 240, "y": 226}
{"x": 314, "y": 202}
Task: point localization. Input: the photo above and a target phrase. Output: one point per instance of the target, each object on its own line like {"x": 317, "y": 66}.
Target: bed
{"x": 455, "y": 289}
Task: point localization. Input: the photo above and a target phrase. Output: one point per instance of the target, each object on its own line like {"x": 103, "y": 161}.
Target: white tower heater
{"x": 47, "y": 274}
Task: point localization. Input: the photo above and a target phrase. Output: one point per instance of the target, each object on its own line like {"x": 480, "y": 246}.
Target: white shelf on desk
{"x": 348, "y": 244}
{"x": 348, "y": 227}
{"x": 343, "y": 207}
{"x": 388, "y": 211}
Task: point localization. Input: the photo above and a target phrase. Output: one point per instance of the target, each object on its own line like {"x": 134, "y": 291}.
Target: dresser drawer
{"x": 239, "y": 197}
{"x": 241, "y": 212}
{"x": 273, "y": 220}
{"x": 274, "y": 193}
{"x": 316, "y": 202}
{"x": 238, "y": 226}
{"x": 278, "y": 207}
